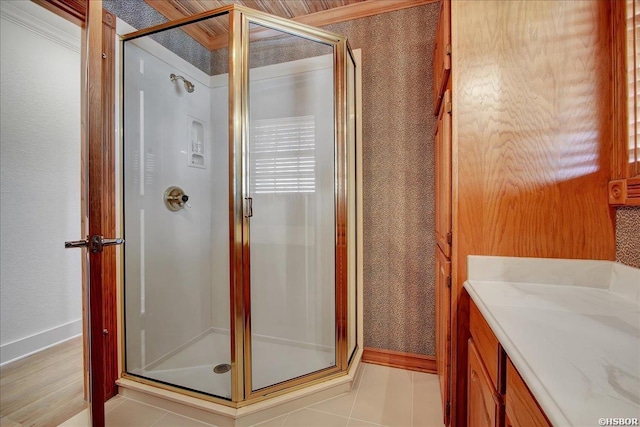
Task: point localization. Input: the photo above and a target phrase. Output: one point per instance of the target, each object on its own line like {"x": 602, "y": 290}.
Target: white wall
{"x": 40, "y": 281}
{"x": 167, "y": 254}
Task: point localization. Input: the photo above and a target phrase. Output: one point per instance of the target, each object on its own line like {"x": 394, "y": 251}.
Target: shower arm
{"x": 187, "y": 84}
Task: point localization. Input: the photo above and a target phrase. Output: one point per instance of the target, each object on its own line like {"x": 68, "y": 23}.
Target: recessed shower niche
{"x": 249, "y": 291}
{"x": 196, "y": 143}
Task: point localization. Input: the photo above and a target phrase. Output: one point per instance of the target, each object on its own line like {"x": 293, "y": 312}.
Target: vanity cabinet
{"x": 485, "y": 385}
{"x": 497, "y": 395}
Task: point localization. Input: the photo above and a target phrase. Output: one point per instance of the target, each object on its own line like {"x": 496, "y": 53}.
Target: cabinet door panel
{"x": 442, "y": 54}
{"x": 521, "y": 407}
{"x": 483, "y": 402}
{"x": 485, "y": 343}
{"x": 443, "y": 176}
{"x": 443, "y": 328}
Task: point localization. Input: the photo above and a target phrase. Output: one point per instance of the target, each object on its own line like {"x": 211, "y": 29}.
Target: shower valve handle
{"x": 175, "y": 199}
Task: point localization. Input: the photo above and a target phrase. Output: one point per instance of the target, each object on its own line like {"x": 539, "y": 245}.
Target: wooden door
{"x": 98, "y": 196}
{"x": 443, "y": 176}
{"x": 443, "y": 329}
{"x": 98, "y": 149}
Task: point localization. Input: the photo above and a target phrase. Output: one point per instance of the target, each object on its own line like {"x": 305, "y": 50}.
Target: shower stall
{"x": 239, "y": 189}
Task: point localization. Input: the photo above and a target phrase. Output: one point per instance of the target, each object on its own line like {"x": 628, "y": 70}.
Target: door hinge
{"x": 448, "y": 48}
{"x": 449, "y": 282}
{"x": 449, "y": 238}
{"x": 447, "y": 410}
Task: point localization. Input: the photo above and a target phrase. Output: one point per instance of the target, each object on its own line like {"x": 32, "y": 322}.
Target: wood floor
{"x": 44, "y": 389}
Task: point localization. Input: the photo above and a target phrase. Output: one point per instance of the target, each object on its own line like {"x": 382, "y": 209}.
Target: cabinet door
{"x": 442, "y": 54}
{"x": 521, "y": 407}
{"x": 443, "y": 176}
{"x": 443, "y": 329}
{"x": 484, "y": 404}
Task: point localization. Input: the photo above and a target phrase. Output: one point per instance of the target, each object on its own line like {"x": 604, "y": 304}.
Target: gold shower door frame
{"x": 240, "y": 264}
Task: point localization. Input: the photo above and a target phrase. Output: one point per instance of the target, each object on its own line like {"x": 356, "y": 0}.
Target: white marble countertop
{"x": 571, "y": 329}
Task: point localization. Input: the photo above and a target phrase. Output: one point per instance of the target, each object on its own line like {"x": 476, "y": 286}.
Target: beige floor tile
{"x": 174, "y": 420}
{"x": 427, "y": 405}
{"x": 360, "y": 423}
{"x": 113, "y": 402}
{"x": 421, "y": 377}
{"x": 311, "y": 418}
{"x": 273, "y": 422}
{"x": 385, "y": 397}
{"x": 340, "y": 405}
{"x": 379, "y": 375}
{"x": 79, "y": 420}
{"x": 133, "y": 414}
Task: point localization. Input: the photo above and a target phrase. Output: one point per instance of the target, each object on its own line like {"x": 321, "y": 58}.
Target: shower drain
{"x": 222, "y": 368}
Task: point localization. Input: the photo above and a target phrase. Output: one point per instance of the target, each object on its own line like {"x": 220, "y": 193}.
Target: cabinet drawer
{"x": 521, "y": 407}
{"x": 486, "y": 344}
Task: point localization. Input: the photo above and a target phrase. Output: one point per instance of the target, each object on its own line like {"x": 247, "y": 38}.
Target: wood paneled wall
{"x": 532, "y": 133}
{"x": 531, "y": 136}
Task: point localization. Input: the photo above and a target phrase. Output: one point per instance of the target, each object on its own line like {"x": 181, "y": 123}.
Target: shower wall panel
{"x": 220, "y": 202}
{"x": 168, "y": 255}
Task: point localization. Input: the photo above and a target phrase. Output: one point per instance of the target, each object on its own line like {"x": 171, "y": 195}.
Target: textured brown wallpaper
{"x": 398, "y": 175}
{"x": 628, "y": 236}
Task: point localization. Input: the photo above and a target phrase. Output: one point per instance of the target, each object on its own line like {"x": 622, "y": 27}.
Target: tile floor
{"x": 382, "y": 396}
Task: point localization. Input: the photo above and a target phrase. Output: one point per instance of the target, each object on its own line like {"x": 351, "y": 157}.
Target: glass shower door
{"x": 176, "y": 211}
{"x": 290, "y": 174}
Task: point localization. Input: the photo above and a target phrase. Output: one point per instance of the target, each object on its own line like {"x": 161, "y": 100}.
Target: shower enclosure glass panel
{"x": 239, "y": 204}
{"x": 291, "y": 177}
{"x": 176, "y": 216}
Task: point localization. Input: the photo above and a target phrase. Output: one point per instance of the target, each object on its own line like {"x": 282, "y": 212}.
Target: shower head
{"x": 187, "y": 84}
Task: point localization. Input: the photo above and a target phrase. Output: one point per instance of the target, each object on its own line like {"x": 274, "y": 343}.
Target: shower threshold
{"x": 248, "y": 415}
{"x": 274, "y": 360}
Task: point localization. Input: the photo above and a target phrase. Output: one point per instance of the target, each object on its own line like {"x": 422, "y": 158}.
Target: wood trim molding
{"x": 625, "y": 192}
{"x": 318, "y": 19}
{"x": 619, "y": 82}
{"x": 110, "y": 321}
{"x": 58, "y": 32}
{"x": 357, "y": 11}
{"x": 398, "y": 359}
{"x": 72, "y": 10}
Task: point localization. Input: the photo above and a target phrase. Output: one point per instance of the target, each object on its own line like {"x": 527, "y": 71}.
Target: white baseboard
{"x": 23, "y": 347}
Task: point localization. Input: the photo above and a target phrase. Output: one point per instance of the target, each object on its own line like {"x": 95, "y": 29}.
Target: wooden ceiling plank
{"x": 352, "y": 9}
{"x": 171, "y": 13}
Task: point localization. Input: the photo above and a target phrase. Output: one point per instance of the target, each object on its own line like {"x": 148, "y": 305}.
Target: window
{"x": 282, "y": 154}
{"x": 633, "y": 84}
{"x": 624, "y": 187}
